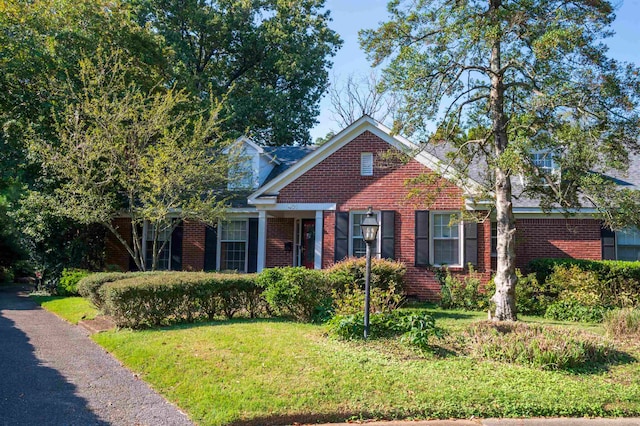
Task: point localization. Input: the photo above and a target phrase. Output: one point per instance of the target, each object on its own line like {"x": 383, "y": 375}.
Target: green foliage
{"x": 536, "y": 345}
{"x": 384, "y": 273}
{"x": 463, "y": 293}
{"x": 161, "y": 298}
{"x": 68, "y": 284}
{"x": 90, "y": 286}
{"x": 415, "y": 326}
{"x": 350, "y": 300}
{"x": 622, "y": 323}
{"x": 296, "y": 292}
{"x": 615, "y": 283}
{"x": 574, "y": 310}
{"x": 269, "y": 59}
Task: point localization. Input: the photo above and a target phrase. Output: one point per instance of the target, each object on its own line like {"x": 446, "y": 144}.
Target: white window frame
{"x": 221, "y": 225}
{"x": 366, "y": 164}
{"x": 146, "y": 228}
{"x": 460, "y": 225}
{"x": 545, "y": 155}
{"x": 352, "y": 235}
{"x": 617, "y": 240}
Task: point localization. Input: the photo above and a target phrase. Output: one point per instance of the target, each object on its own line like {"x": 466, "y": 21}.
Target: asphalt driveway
{"x": 51, "y": 373}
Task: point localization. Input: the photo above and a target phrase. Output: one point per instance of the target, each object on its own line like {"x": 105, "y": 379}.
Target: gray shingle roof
{"x": 287, "y": 156}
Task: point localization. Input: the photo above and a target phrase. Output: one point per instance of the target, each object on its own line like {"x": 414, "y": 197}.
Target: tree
{"x": 504, "y": 78}
{"x": 268, "y": 58}
{"x": 123, "y": 151}
{"x": 358, "y": 96}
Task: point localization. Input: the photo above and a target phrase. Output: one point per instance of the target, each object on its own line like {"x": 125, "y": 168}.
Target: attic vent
{"x": 366, "y": 164}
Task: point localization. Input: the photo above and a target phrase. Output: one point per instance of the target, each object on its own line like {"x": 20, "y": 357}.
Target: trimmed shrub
{"x": 535, "y": 345}
{"x": 170, "y": 297}
{"x": 384, "y": 273}
{"x": 464, "y": 293}
{"x": 89, "y": 286}
{"x": 622, "y": 323}
{"x": 296, "y": 292}
{"x": 68, "y": 284}
{"x": 417, "y": 327}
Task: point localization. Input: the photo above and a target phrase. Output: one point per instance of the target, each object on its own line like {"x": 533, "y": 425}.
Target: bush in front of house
{"x": 417, "y": 327}
{"x": 296, "y": 292}
{"x": 170, "y": 297}
{"x": 68, "y": 283}
{"x": 535, "y": 345}
{"x": 384, "y": 273}
{"x": 89, "y": 286}
{"x": 466, "y": 292}
{"x": 617, "y": 283}
{"x": 350, "y": 300}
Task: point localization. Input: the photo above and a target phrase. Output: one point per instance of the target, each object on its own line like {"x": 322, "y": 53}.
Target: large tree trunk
{"x": 505, "y": 279}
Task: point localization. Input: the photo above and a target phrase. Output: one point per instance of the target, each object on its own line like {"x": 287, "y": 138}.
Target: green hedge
{"x": 616, "y": 282}
{"x": 89, "y": 286}
{"x": 384, "y": 273}
{"x": 156, "y": 299}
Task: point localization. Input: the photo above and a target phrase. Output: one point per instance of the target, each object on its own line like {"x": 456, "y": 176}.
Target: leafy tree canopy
{"x": 268, "y": 58}
{"x": 504, "y": 78}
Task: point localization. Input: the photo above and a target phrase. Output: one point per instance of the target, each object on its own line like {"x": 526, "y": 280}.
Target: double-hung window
{"x": 164, "y": 237}
{"x": 358, "y": 248}
{"x": 628, "y": 241}
{"x": 446, "y": 232}
{"x": 233, "y": 245}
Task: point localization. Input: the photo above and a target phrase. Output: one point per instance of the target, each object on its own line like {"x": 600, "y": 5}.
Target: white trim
{"x": 432, "y": 213}
{"x": 378, "y": 214}
{"x": 298, "y": 207}
{"x": 365, "y": 123}
{"x": 317, "y": 261}
{"x": 262, "y": 240}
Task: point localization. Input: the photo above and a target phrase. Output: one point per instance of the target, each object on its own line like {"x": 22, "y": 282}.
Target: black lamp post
{"x": 369, "y": 228}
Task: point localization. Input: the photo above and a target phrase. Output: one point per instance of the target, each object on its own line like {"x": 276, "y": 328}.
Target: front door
{"x": 308, "y": 243}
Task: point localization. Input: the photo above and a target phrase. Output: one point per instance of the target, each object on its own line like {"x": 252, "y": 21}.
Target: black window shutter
{"x": 252, "y": 250}
{"x": 341, "y": 236}
{"x": 176, "y": 248}
{"x": 471, "y": 243}
{"x": 608, "y": 238}
{"x": 422, "y": 238}
{"x": 210, "y": 248}
{"x": 388, "y": 234}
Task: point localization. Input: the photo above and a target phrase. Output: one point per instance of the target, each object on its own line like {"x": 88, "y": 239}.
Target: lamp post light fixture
{"x": 369, "y": 228}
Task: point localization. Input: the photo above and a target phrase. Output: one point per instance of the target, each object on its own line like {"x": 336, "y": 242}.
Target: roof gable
{"x": 365, "y": 123}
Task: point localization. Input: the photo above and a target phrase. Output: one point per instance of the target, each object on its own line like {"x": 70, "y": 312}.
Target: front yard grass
{"x": 274, "y": 372}
{"x": 260, "y": 372}
{"x": 71, "y": 309}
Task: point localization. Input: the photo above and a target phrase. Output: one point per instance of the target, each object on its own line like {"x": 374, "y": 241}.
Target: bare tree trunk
{"x": 505, "y": 279}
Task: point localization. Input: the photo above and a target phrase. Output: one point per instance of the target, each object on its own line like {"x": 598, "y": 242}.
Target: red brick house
{"x": 307, "y": 204}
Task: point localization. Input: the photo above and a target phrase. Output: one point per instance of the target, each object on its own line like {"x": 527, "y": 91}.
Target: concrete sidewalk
{"x": 51, "y": 373}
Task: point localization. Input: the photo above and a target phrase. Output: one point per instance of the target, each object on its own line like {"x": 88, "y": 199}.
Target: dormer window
{"x": 366, "y": 164}
{"x": 241, "y": 175}
{"x": 545, "y": 163}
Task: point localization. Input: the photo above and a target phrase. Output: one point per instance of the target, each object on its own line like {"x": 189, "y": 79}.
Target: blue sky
{"x": 350, "y": 16}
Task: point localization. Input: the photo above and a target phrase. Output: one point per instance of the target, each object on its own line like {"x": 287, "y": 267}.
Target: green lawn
{"x": 258, "y": 372}
{"x": 72, "y": 309}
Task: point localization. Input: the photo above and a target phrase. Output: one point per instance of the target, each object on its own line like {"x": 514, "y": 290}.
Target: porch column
{"x": 262, "y": 239}
{"x": 317, "y": 261}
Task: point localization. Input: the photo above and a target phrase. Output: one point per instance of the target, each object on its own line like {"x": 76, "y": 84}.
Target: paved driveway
{"x": 51, "y": 373}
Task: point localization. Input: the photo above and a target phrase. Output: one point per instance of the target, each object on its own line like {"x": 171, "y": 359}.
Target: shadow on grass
{"x": 303, "y": 418}
{"x": 616, "y": 358}
{"x": 218, "y": 322}
{"x": 437, "y": 314}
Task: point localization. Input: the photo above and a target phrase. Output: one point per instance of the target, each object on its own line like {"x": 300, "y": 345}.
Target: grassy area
{"x": 72, "y": 309}
{"x": 262, "y": 372}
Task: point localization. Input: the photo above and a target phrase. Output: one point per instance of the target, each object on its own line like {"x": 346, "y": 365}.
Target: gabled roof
{"x": 286, "y": 156}
{"x": 365, "y": 123}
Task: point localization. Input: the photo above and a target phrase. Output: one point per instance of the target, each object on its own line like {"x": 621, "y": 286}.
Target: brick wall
{"x": 115, "y": 253}
{"x": 279, "y": 231}
{"x": 337, "y": 180}
{"x": 557, "y": 238}
{"x": 193, "y": 239}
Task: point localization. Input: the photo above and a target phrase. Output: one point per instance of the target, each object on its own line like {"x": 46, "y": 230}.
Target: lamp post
{"x": 369, "y": 228}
